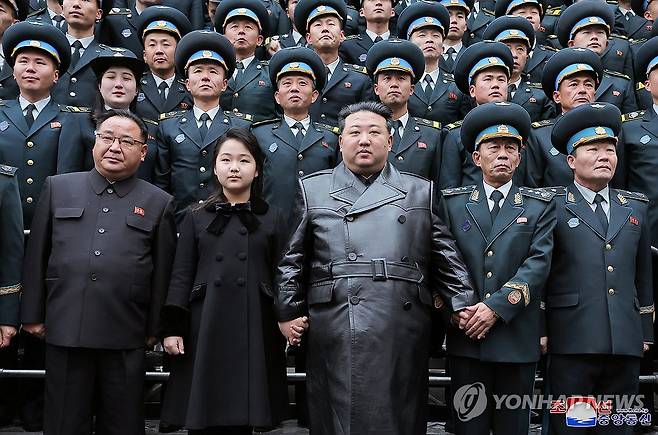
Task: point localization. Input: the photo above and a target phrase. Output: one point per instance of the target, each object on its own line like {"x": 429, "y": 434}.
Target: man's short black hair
{"x": 366, "y": 106}
{"x": 123, "y": 114}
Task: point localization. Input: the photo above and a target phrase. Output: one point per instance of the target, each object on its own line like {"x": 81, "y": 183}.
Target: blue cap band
{"x": 424, "y": 22}
{"x": 161, "y": 25}
{"x": 652, "y": 64}
{"x": 487, "y": 62}
{"x": 516, "y": 3}
{"x": 499, "y": 130}
{"x": 588, "y": 21}
{"x": 242, "y": 12}
{"x": 510, "y": 34}
{"x": 296, "y": 67}
{"x": 571, "y": 70}
{"x": 455, "y": 3}
{"x": 588, "y": 135}
{"x": 207, "y": 55}
{"x": 319, "y": 11}
{"x": 33, "y": 43}
{"x": 396, "y": 64}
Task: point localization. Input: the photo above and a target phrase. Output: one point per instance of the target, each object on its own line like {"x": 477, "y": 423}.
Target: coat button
{"x": 323, "y": 115}
{"x": 202, "y": 169}
{"x": 400, "y": 158}
{"x": 324, "y": 99}
{"x": 29, "y": 200}
{"x": 487, "y": 295}
{"x": 429, "y": 107}
{"x": 93, "y": 277}
{"x": 105, "y": 209}
{"x": 242, "y": 256}
{"x": 202, "y": 185}
{"x": 72, "y": 94}
{"x": 611, "y": 291}
{"x": 30, "y": 144}
{"x": 351, "y": 256}
{"x": 300, "y": 157}
{"x": 110, "y": 190}
{"x": 235, "y": 95}
{"x": 406, "y": 306}
{"x": 489, "y": 274}
{"x": 218, "y": 282}
{"x": 74, "y": 79}
{"x": 97, "y": 253}
{"x": 349, "y": 218}
{"x": 240, "y": 282}
{"x": 402, "y": 219}
{"x": 354, "y": 300}
{"x": 204, "y": 153}
{"x": 29, "y": 181}
{"x": 608, "y": 247}
{"x": 301, "y": 173}
{"x": 611, "y": 269}
{"x": 219, "y": 257}
{"x": 101, "y": 230}
{"x": 489, "y": 253}
{"x": 30, "y": 162}
{"x": 243, "y": 231}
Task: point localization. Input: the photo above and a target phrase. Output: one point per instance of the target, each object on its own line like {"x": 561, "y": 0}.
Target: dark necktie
{"x": 430, "y": 83}
{"x": 162, "y": 89}
{"x": 378, "y": 39}
{"x": 511, "y": 89}
{"x": 449, "y": 61}
{"x": 75, "y": 56}
{"x": 29, "y": 114}
{"x": 598, "y": 199}
{"x": 239, "y": 66}
{"x": 495, "y": 196}
{"x": 397, "y": 137}
{"x": 59, "y": 21}
{"x": 300, "y": 132}
{"x": 203, "y": 129}
{"x": 328, "y": 71}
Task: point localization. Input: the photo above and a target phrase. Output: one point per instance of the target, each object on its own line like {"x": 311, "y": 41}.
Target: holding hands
{"x": 294, "y": 329}
{"x": 475, "y": 321}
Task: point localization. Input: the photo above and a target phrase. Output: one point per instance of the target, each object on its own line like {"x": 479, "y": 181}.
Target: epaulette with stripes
{"x": 265, "y": 122}
{"x": 632, "y": 195}
{"x": 331, "y": 128}
{"x": 458, "y": 190}
{"x": 632, "y": 115}
{"x": 543, "y": 123}
{"x": 454, "y": 125}
{"x": 616, "y": 74}
{"x": 541, "y": 194}
{"x": 239, "y": 115}
{"x": 169, "y": 115}
{"x": 75, "y": 109}
{"x": 428, "y": 123}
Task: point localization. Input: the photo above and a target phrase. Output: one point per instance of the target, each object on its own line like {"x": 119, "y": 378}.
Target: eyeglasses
{"x": 124, "y": 142}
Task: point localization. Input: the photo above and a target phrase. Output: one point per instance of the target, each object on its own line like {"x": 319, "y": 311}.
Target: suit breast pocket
{"x": 64, "y": 223}
{"x": 68, "y": 213}
{"x": 139, "y": 234}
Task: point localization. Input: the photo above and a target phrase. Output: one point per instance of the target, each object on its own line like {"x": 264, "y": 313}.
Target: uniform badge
{"x": 570, "y": 197}
{"x": 616, "y": 93}
{"x": 4, "y": 125}
{"x": 466, "y": 225}
{"x": 633, "y": 220}
{"x": 138, "y": 211}
{"x": 325, "y": 144}
{"x": 475, "y": 195}
{"x": 126, "y": 33}
{"x": 55, "y": 124}
{"x": 452, "y": 96}
{"x": 532, "y": 100}
{"x": 554, "y": 151}
{"x": 273, "y": 147}
{"x": 150, "y": 137}
{"x": 517, "y": 198}
{"x": 422, "y": 145}
{"x": 522, "y": 220}
{"x": 347, "y": 84}
{"x": 184, "y": 105}
{"x": 363, "y": 57}
{"x": 261, "y": 83}
{"x": 620, "y": 53}
{"x": 621, "y": 198}
{"x": 438, "y": 302}
{"x": 649, "y": 27}
{"x": 573, "y": 222}
{"x": 141, "y": 97}
{"x": 514, "y": 297}
{"x": 180, "y": 138}
{"x": 645, "y": 139}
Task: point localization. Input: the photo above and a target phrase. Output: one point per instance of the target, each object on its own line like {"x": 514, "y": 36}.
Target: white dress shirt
{"x": 589, "y": 197}
{"x": 504, "y": 189}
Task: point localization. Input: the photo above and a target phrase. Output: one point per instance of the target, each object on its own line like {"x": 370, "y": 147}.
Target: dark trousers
{"x": 498, "y": 379}
{"x": 82, "y": 382}
{"x": 222, "y": 430}
{"x": 591, "y": 375}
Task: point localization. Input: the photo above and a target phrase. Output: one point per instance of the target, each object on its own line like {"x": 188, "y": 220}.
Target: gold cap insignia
{"x": 514, "y": 32}
{"x": 160, "y": 24}
{"x": 493, "y": 60}
{"x": 593, "y": 20}
{"x": 242, "y": 11}
{"x": 35, "y": 44}
{"x": 395, "y": 61}
{"x": 294, "y": 65}
{"x": 599, "y": 130}
{"x": 322, "y": 8}
{"x": 429, "y": 19}
{"x": 206, "y": 53}
{"x": 503, "y": 129}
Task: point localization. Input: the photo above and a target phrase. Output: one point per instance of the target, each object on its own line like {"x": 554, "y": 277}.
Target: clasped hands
{"x": 294, "y": 329}
{"x": 475, "y": 320}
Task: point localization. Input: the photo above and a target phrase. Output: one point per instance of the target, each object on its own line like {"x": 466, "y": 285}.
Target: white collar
{"x": 504, "y": 189}
{"x": 296, "y": 36}
{"x": 246, "y": 61}
{"x": 404, "y": 119}
{"x": 655, "y": 108}
{"x": 516, "y": 83}
{"x": 332, "y": 66}
{"x": 626, "y": 11}
{"x": 198, "y": 112}
{"x": 589, "y": 194}
{"x": 476, "y": 7}
{"x": 39, "y": 104}
{"x": 52, "y": 13}
{"x": 84, "y": 41}
{"x": 306, "y": 122}
{"x": 169, "y": 81}
{"x": 372, "y": 35}
{"x": 457, "y": 47}
{"x": 434, "y": 74}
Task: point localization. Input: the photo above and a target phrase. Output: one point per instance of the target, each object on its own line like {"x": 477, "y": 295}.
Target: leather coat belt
{"x": 378, "y": 269}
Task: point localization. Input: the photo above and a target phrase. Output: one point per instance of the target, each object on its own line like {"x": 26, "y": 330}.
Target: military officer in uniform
{"x": 294, "y": 145}
{"x": 290, "y": 39}
{"x": 186, "y": 139}
{"x": 246, "y": 24}
{"x": 601, "y": 270}
{"x": 517, "y": 33}
{"x": 436, "y": 96}
{"x": 453, "y": 43}
{"x": 323, "y": 23}
{"x": 120, "y": 26}
{"x": 533, "y": 11}
{"x": 162, "y": 90}
{"x": 11, "y": 11}
{"x": 396, "y": 65}
{"x": 377, "y": 15}
{"x": 50, "y": 13}
{"x": 77, "y": 86}
{"x": 505, "y": 235}
{"x": 477, "y": 21}
{"x": 482, "y": 71}
{"x": 637, "y": 22}
{"x": 572, "y": 77}
{"x": 96, "y": 272}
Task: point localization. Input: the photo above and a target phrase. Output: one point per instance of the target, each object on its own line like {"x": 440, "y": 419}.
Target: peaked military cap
{"x": 308, "y": 10}
{"x": 396, "y": 55}
{"x": 508, "y": 28}
{"x": 505, "y": 7}
{"x": 567, "y": 62}
{"x": 37, "y": 36}
{"x": 298, "y": 60}
{"x": 163, "y": 19}
{"x": 423, "y": 14}
{"x": 251, "y": 9}
{"x": 584, "y": 124}
{"x": 583, "y": 14}
{"x": 478, "y": 57}
{"x": 116, "y": 56}
{"x": 646, "y": 59}
{"x": 494, "y": 120}
{"x": 204, "y": 45}
{"x": 467, "y": 5}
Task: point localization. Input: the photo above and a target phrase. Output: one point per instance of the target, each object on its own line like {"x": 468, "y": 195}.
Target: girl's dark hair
{"x": 245, "y": 137}
{"x": 98, "y": 106}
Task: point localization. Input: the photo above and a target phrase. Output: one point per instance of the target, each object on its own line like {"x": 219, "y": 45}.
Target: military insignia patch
{"x": 422, "y": 145}
{"x": 621, "y": 198}
{"x": 180, "y": 138}
{"x": 517, "y": 198}
{"x": 452, "y": 96}
{"x": 514, "y": 297}
{"x": 573, "y": 222}
{"x": 616, "y": 93}
{"x": 522, "y": 220}
{"x": 261, "y": 83}
{"x": 184, "y": 106}
{"x": 620, "y": 53}
{"x": 362, "y": 58}
{"x": 554, "y": 151}
{"x": 570, "y": 197}
{"x": 532, "y": 100}
{"x": 126, "y": 33}
{"x": 325, "y": 144}
{"x": 475, "y": 195}
{"x": 4, "y": 125}
{"x": 141, "y": 97}
{"x": 55, "y": 124}
{"x": 645, "y": 139}
{"x": 633, "y": 220}
{"x": 466, "y": 225}
{"x": 273, "y": 147}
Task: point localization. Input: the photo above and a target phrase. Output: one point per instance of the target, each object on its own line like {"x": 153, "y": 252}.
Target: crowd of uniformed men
{"x": 430, "y": 63}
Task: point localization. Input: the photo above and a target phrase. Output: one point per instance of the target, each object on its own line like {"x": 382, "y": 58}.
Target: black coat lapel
{"x": 479, "y": 210}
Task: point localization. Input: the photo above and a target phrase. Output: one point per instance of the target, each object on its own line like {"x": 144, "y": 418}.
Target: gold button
{"x": 301, "y": 173}
{"x": 487, "y": 296}
{"x": 202, "y": 169}
{"x": 29, "y": 200}
{"x": 400, "y": 158}
{"x": 29, "y": 181}
{"x": 489, "y": 274}
{"x": 30, "y": 144}
{"x": 235, "y": 95}
{"x": 489, "y": 253}
{"x": 300, "y": 157}
{"x": 30, "y": 162}
{"x": 608, "y": 246}
{"x": 429, "y": 107}
{"x": 611, "y": 291}
{"x": 610, "y": 268}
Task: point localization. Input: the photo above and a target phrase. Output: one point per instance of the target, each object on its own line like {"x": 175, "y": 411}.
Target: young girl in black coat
{"x": 228, "y": 373}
